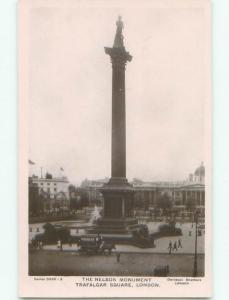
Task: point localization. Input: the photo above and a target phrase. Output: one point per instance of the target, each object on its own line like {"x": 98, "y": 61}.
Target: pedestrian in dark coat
{"x": 179, "y": 243}
{"x": 175, "y": 246}
{"x": 170, "y": 247}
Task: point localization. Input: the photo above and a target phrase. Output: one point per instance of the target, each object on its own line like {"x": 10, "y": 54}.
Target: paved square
{"x": 131, "y": 264}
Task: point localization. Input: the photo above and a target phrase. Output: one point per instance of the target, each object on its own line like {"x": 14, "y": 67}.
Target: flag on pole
{"x": 31, "y": 162}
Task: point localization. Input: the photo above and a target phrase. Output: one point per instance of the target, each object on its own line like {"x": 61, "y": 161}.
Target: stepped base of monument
{"x": 115, "y": 226}
{"x": 121, "y": 231}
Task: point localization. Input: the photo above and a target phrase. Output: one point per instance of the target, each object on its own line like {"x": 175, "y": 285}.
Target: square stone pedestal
{"x": 118, "y": 217}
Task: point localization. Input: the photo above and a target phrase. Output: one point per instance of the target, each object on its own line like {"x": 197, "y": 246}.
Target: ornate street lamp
{"x": 195, "y": 255}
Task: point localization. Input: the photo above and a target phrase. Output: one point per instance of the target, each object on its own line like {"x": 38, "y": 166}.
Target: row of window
{"x": 149, "y": 194}
{"x": 48, "y": 189}
{"x": 48, "y": 183}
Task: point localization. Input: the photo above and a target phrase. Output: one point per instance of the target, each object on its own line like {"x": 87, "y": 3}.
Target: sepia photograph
{"x": 116, "y": 148}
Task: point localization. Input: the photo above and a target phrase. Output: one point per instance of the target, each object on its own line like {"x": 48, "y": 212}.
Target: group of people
{"x": 199, "y": 231}
{"x": 175, "y": 246}
{"x": 36, "y": 244}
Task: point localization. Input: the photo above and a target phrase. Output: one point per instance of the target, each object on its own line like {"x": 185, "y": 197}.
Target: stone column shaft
{"x": 118, "y": 162}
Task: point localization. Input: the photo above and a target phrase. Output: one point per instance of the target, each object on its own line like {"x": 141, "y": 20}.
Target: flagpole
{"x": 31, "y": 170}
{"x": 61, "y": 172}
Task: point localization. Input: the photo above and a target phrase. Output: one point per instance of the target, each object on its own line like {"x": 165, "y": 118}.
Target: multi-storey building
{"x": 185, "y": 196}
{"x": 53, "y": 191}
{"x": 93, "y": 189}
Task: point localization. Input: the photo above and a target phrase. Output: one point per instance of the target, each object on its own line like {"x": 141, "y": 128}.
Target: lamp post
{"x": 195, "y": 255}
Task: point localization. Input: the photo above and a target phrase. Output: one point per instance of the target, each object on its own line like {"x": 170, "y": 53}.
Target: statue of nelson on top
{"x": 118, "y": 41}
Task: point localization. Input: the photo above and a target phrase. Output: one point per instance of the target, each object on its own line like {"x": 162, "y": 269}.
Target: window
{"x": 55, "y": 189}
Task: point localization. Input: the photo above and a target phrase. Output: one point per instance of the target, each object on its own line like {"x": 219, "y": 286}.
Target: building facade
{"x": 185, "y": 197}
{"x": 54, "y": 192}
{"x": 93, "y": 189}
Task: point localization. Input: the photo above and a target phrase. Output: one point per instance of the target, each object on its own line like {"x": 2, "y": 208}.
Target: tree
{"x": 165, "y": 203}
{"x": 190, "y": 204}
{"x": 35, "y": 200}
{"x": 138, "y": 201}
{"x": 71, "y": 188}
{"x": 79, "y": 197}
{"x": 74, "y": 203}
{"x": 84, "y": 198}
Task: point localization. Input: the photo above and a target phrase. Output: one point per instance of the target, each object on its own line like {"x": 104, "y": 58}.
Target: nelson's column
{"x": 118, "y": 193}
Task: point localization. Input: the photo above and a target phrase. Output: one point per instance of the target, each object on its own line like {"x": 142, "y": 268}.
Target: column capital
{"x": 119, "y": 57}
{"x": 118, "y": 53}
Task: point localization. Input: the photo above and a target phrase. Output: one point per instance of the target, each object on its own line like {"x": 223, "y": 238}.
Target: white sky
{"x": 70, "y": 91}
